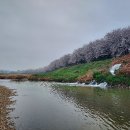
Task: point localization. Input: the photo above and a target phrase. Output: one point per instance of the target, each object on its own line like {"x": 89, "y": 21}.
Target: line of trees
{"x": 114, "y": 44}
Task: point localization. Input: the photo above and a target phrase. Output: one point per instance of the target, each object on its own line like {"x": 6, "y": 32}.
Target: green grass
{"x": 72, "y": 73}
{"x": 112, "y": 80}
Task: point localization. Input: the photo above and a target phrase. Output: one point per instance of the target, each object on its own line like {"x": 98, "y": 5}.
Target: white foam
{"x": 91, "y": 84}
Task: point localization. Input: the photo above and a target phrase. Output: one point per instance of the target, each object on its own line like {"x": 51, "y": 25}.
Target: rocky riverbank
{"x": 5, "y": 108}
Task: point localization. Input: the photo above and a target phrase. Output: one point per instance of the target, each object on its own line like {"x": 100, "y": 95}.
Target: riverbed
{"x": 49, "y": 106}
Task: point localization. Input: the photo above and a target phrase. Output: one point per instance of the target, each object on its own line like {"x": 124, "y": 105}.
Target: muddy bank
{"x": 5, "y": 102}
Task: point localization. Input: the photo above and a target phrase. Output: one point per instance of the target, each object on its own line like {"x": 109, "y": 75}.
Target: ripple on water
{"x": 44, "y": 105}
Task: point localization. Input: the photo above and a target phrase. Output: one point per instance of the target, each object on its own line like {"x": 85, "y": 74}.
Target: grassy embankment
{"x": 73, "y": 73}
{"x": 97, "y": 70}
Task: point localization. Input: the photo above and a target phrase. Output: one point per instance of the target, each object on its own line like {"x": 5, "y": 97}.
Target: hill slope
{"x": 73, "y": 73}
{"x": 97, "y": 70}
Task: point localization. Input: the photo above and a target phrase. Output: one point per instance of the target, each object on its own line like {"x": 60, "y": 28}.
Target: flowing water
{"x": 47, "y": 106}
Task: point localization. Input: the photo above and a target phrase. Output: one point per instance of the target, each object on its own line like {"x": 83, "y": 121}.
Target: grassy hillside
{"x": 97, "y": 70}
{"x": 73, "y": 73}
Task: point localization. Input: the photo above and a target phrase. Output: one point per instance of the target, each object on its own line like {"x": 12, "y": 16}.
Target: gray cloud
{"x": 35, "y": 32}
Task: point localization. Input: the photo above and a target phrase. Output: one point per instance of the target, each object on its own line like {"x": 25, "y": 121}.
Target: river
{"x": 49, "y": 106}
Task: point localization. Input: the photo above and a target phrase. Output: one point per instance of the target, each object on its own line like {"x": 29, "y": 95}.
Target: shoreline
{"x": 24, "y": 77}
{"x": 5, "y": 102}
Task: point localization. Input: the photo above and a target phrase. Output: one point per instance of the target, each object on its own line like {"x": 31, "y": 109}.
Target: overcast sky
{"x": 35, "y": 32}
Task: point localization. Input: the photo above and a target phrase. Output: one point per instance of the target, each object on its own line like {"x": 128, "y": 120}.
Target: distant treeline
{"x": 114, "y": 44}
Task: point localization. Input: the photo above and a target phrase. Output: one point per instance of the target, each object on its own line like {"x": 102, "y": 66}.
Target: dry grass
{"x": 14, "y": 76}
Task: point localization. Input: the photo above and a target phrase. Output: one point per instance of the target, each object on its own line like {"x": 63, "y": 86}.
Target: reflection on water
{"x": 46, "y": 106}
{"x": 111, "y": 107}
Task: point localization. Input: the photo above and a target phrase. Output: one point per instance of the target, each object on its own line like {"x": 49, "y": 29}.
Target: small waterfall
{"x": 100, "y": 85}
{"x": 91, "y": 84}
{"x": 114, "y": 68}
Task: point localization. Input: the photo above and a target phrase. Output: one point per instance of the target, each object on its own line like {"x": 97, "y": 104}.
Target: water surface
{"x": 48, "y": 106}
